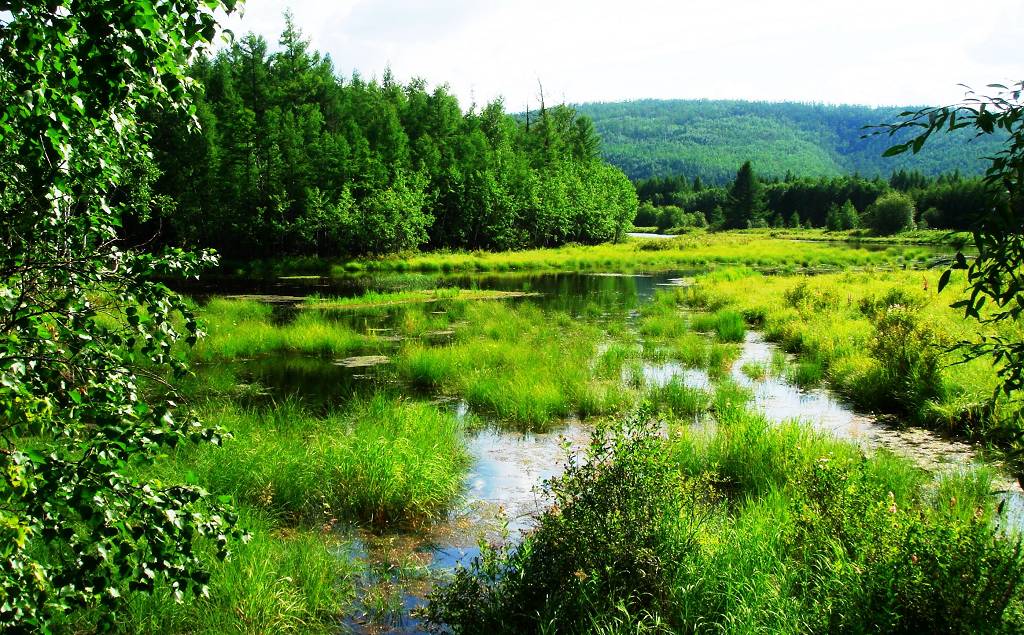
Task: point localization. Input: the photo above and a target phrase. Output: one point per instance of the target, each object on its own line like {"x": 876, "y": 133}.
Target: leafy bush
{"x": 610, "y": 540}
{"x": 891, "y": 213}
{"x": 909, "y": 357}
{"x": 879, "y": 565}
{"x": 752, "y": 527}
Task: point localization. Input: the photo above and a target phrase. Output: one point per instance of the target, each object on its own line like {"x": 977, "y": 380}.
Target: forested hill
{"x": 711, "y": 139}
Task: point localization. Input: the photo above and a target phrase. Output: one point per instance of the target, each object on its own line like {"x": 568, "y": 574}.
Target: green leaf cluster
{"x": 85, "y": 335}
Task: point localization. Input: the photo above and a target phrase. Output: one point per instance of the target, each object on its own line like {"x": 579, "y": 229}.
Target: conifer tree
{"x": 746, "y": 202}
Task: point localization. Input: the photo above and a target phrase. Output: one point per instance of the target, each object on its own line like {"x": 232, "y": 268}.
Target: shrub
{"x": 908, "y": 355}
{"x": 607, "y": 544}
{"x": 891, "y": 213}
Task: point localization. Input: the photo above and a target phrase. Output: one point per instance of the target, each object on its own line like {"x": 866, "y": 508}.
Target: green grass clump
{"x": 720, "y": 359}
{"x": 523, "y": 365}
{"x": 745, "y": 527}
{"x": 691, "y": 350}
{"x": 383, "y": 460}
{"x": 278, "y": 582}
{"x": 728, "y": 326}
{"x": 806, "y": 372}
{"x": 679, "y": 400}
{"x": 755, "y": 370}
{"x": 244, "y": 328}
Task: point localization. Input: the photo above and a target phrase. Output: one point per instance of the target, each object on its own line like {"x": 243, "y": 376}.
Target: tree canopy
{"x": 292, "y": 159}
{"x": 710, "y": 138}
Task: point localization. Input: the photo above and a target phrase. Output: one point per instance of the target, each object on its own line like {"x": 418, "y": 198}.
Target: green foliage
{"x": 842, "y": 218}
{"x": 79, "y": 315}
{"x": 610, "y": 538}
{"x": 880, "y": 339}
{"x": 278, "y": 582}
{"x": 891, "y": 214}
{"x": 953, "y": 202}
{"x": 748, "y": 527}
{"x": 745, "y": 206}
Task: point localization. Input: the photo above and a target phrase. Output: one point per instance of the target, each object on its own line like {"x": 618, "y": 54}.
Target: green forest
{"x": 710, "y": 139}
{"x": 948, "y": 202}
{"x": 292, "y": 159}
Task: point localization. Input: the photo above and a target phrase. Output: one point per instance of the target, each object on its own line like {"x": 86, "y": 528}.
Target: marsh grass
{"x": 614, "y": 358}
{"x": 806, "y": 372}
{"x": 372, "y": 299}
{"x": 280, "y": 581}
{"x": 692, "y": 350}
{"x": 245, "y": 328}
{"x": 756, "y": 371}
{"x": 381, "y": 461}
{"x": 720, "y": 359}
{"x": 692, "y": 250}
{"x": 727, "y": 326}
{"x": 524, "y": 366}
{"x": 878, "y": 338}
{"x": 678, "y": 400}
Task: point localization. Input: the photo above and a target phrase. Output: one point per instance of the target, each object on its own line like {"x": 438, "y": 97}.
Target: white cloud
{"x": 836, "y": 51}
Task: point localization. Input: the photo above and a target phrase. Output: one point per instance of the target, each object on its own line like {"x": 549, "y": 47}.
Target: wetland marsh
{"x": 384, "y": 440}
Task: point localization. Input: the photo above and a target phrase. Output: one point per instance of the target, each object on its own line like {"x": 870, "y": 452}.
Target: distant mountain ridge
{"x": 712, "y": 138}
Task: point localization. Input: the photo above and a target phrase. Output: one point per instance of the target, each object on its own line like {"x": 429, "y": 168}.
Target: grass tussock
{"x": 383, "y": 460}
{"x": 523, "y": 365}
{"x": 728, "y": 326}
{"x": 678, "y": 400}
{"x": 245, "y": 328}
{"x": 290, "y": 581}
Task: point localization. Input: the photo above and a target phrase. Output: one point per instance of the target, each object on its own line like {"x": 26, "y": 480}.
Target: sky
{"x": 874, "y": 52}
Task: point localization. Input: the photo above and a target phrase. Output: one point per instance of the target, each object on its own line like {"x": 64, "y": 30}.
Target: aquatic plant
{"x": 878, "y": 338}
{"x": 275, "y": 582}
{"x": 524, "y": 366}
{"x": 679, "y": 400}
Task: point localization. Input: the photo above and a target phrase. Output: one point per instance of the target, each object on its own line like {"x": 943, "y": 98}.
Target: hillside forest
{"x": 712, "y": 138}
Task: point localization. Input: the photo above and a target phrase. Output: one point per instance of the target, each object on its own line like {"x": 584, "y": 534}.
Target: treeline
{"x": 710, "y": 138}
{"x": 908, "y": 199}
{"x": 292, "y": 159}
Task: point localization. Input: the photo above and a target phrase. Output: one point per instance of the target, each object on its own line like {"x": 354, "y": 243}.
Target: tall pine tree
{"x": 746, "y": 204}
